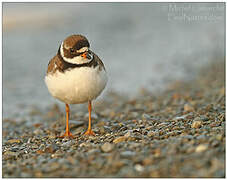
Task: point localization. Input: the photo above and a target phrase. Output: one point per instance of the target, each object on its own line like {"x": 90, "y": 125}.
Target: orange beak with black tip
{"x": 84, "y": 55}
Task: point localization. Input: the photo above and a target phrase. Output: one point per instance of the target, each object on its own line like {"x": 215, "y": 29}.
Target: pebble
{"x": 84, "y": 144}
{"x": 139, "y": 167}
{"x": 37, "y": 131}
{"x": 11, "y": 141}
{"x": 215, "y": 143}
{"x": 51, "y": 136}
{"x": 127, "y": 154}
{"x": 201, "y": 148}
{"x": 56, "y": 155}
{"x": 204, "y": 118}
{"x": 52, "y": 148}
{"x": 190, "y": 150}
{"x": 25, "y": 175}
{"x": 67, "y": 143}
{"x": 219, "y": 137}
{"x": 128, "y": 134}
{"x": 150, "y": 133}
{"x": 180, "y": 117}
{"x": 119, "y": 139}
{"x": 197, "y": 123}
{"x": 188, "y": 107}
{"x": 107, "y": 147}
{"x": 10, "y": 155}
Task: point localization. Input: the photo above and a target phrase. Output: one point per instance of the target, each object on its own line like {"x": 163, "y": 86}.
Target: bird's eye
{"x": 71, "y": 50}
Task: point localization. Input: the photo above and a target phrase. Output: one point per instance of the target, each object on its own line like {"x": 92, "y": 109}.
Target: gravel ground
{"x": 176, "y": 133}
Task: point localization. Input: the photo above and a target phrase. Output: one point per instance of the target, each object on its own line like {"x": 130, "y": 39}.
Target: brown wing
{"x": 54, "y": 65}
{"x": 98, "y": 60}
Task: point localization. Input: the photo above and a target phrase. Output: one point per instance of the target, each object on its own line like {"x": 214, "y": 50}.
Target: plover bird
{"x": 76, "y": 75}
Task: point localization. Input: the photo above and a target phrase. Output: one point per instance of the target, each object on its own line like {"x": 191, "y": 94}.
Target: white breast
{"x": 77, "y": 85}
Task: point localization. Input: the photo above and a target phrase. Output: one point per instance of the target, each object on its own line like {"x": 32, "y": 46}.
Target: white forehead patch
{"x": 77, "y": 59}
{"x": 83, "y": 49}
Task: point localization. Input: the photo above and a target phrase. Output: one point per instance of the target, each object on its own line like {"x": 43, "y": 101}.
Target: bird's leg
{"x": 67, "y": 132}
{"x": 89, "y": 131}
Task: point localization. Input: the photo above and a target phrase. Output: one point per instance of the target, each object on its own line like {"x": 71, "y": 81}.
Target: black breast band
{"x": 67, "y": 65}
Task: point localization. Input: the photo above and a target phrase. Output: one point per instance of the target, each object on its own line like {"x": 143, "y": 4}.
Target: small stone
{"x": 202, "y": 137}
{"x": 96, "y": 130}
{"x": 128, "y": 154}
{"x": 190, "y": 150}
{"x": 119, "y": 139}
{"x": 56, "y": 155}
{"x": 147, "y": 161}
{"x": 29, "y": 140}
{"x": 196, "y": 123}
{"x": 219, "y": 137}
{"x": 201, "y": 148}
{"x": 128, "y": 134}
{"x": 157, "y": 152}
{"x": 35, "y": 146}
{"x": 139, "y": 167}
{"x": 79, "y": 130}
{"x": 150, "y": 133}
{"x": 51, "y": 149}
{"x": 40, "y": 152}
{"x": 215, "y": 143}
{"x": 11, "y": 141}
{"x": 84, "y": 144}
{"x": 52, "y": 136}
{"x": 179, "y": 117}
{"x": 52, "y": 167}
{"x": 107, "y": 147}
{"x": 102, "y": 130}
{"x": 204, "y": 118}
{"x": 25, "y": 175}
{"x": 188, "y": 107}
{"x": 42, "y": 147}
{"x": 38, "y": 174}
{"x": 67, "y": 143}
{"x": 134, "y": 145}
{"x": 93, "y": 151}
{"x": 10, "y": 155}
{"x": 37, "y": 131}
{"x": 37, "y": 125}
{"x": 105, "y": 130}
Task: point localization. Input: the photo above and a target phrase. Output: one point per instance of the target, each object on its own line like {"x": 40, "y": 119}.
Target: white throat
{"x": 77, "y": 59}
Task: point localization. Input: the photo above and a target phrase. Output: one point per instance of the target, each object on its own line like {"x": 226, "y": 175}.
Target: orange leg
{"x": 89, "y": 131}
{"x": 67, "y": 132}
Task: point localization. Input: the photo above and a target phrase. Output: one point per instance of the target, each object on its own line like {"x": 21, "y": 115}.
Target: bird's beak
{"x": 87, "y": 55}
{"x": 84, "y": 55}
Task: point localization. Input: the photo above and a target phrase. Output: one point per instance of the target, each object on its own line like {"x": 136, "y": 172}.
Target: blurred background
{"x": 143, "y": 45}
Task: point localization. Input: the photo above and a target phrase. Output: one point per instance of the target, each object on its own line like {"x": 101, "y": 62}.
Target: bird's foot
{"x": 89, "y": 132}
{"x": 67, "y": 134}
